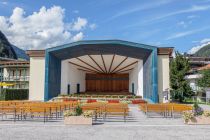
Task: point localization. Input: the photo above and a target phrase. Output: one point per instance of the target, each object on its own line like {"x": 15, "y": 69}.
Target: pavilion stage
{"x": 105, "y": 93}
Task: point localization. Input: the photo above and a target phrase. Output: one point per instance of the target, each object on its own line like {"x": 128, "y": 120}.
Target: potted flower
{"x": 77, "y": 116}
{"x": 187, "y": 116}
{"x": 198, "y": 116}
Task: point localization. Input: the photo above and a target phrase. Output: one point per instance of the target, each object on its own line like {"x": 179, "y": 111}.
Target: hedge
{"x": 14, "y": 94}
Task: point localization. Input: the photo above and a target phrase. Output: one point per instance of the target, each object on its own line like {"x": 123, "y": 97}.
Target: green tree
{"x": 179, "y": 66}
{"x": 204, "y": 81}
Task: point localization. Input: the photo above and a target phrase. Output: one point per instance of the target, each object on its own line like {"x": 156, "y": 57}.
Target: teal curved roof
{"x": 89, "y": 42}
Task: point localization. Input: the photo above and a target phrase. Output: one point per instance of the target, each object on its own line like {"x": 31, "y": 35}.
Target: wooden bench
{"x": 166, "y": 109}
{"x": 116, "y": 109}
{"x": 41, "y": 109}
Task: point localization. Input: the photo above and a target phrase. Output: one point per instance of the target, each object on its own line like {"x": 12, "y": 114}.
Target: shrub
{"x": 130, "y": 96}
{"x": 138, "y": 96}
{"x": 206, "y": 113}
{"x": 126, "y": 102}
{"x": 69, "y": 113}
{"x": 78, "y": 111}
{"x": 121, "y": 96}
{"x": 70, "y": 100}
{"x": 14, "y": 94}
{"x": 197, "y": 109}
{"x": 88, "y": 113}
{"x": 188, "y": 116}
{"x": 114, "y": 96}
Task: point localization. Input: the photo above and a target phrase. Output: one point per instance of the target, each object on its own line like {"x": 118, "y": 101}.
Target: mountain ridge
{"x": 203, "y": 51}
{"x": 9, "y": 51}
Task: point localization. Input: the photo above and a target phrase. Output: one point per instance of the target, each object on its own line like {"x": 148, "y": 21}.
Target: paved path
{"x": 138, "y": 127}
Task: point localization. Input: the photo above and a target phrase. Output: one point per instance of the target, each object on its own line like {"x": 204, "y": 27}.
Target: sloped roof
{"x": 14, "y": 63}
{"x": 206, "y": 67}
{"x": 161, "y": 50}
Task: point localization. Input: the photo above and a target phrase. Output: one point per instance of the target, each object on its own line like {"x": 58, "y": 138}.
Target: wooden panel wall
{"x": 107, "y": 82}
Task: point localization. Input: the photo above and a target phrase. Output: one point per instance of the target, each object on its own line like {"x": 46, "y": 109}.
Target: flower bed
{"x": 113, "y": 101}
{"x": 138, "y": 101}
{"x": 199, "y": 120}
{"x": 69, "y": 100}
{"x": 77, "y": 120}
{"x": 197, "y": 116}
{"x": 91, "y": 100}
{"x": 78, "y": 117}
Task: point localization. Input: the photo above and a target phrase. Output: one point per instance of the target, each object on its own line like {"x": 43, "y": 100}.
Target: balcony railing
{"x": 15, "y": 78}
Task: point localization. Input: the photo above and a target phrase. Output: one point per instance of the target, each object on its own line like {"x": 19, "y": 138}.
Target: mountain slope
{"x": 21, "y": 54}
{"x": 8, "y": 50}
{"x": 203, "y": 52}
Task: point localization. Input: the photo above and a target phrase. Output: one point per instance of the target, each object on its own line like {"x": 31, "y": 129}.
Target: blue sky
{"x": 182, "y": 24}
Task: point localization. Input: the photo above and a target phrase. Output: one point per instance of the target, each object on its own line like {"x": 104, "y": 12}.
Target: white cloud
{"x": 140, "y": 7}
{"x": 4, "y": 2}
{"x": 196, "y": 48}
{"x": 186, "y": 33}
{"x": 79, "y": 24}
{"x": 182, "y": 24}
{"x": 192, "y": 16}
{"x": 92, "y": 26}
{"x": 42, "y": 29}
{"x": 203, "y": 42}
{"x": 194, "y": 8}
{"x": 166, "y": 15}
{"x": 206, "y": 40}
{"x": 78, "y": 36}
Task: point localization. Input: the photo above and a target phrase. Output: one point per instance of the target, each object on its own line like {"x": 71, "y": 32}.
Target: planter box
{"x": 75, "y": 120}
{"x": 199, "y": 120}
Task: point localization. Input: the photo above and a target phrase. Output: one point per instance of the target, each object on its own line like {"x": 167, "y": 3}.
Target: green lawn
{"x": 190, "y": 101}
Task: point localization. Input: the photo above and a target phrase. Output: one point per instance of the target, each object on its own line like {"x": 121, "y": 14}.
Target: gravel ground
{"x": 138, "y": 127}
{"x": 104, "y": 132}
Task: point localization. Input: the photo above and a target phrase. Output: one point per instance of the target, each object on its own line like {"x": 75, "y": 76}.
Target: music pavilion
{"x": 99, "y": 67}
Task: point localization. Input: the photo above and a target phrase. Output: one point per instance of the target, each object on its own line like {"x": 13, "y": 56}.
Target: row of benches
{"x": 25, "y": 109}
{"x": 107, "y": 109}
{"x": 166, "y": 109}
{"x": 21, "y": 110}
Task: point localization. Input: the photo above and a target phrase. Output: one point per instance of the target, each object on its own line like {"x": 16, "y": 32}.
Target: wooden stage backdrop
{"x": 107, "y": 82}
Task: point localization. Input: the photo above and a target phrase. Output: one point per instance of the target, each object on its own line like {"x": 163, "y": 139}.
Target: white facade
{"x": 136, "y": 78}
{"x": 72, "y": 76}
{"x": 163, "y": 75}
{"x": 16, "y": 74}
{"x": 37, "y": 77}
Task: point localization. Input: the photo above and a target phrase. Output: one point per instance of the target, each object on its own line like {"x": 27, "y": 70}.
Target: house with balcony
{"x": 193, "y": 76}
{"x": 15, "y": 72}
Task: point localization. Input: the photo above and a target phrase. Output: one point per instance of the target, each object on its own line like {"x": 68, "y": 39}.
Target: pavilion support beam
{"x": 125, "y": 70}
{"x": 111, "y": 63}
{"x": 126, "y": 66}
{"x": 82, "y": 66}
{"x": 104, "y": 63}
{"x": 119, "y": 64}
{"x": 88, "y": 64}
{"x": 96, "y": 63}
